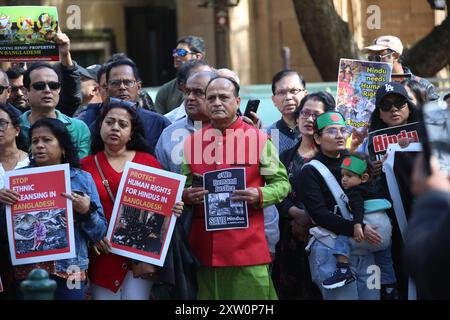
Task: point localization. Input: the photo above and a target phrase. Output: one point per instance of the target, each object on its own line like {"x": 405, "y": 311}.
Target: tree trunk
{"x": 432, "y": 53}
{"x": 327, "y": 36}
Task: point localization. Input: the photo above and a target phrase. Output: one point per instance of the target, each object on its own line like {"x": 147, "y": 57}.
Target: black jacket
{"x": 318, "y": 199}
{"x": 70, "y": 95}
{"x": 427, "y": 248}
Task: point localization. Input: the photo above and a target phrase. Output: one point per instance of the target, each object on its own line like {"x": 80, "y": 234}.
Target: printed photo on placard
{"x": 26, "y": 33}
{"x": 357, "y": 84}
{"x": 221, "y": 211}
{"x": 40, "y": 225}
{"x": 142, "y": 221}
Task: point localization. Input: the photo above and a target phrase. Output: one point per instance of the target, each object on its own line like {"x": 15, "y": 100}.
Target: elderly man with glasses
{"x": 288, "y": 88}
{"x": 389, "y": 49}
{"x": 119, "y": 80}
{"x": 169, "y": 96}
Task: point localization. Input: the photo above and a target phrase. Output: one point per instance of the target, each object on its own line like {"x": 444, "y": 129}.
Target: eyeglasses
{"x": 377, "y": 57}
{"x": 399, "y": 103}
{"x": 15, "y": 89}
{"x": 41, "y": 85}
{"x": 127, "y": 83}
{"x": 181, "y": 52}
{"x": 333, "y": 132}
{"x": 292, "y": 91}
{"x": 2, "y": 88}
{"x": 195, "y": 91}
{"x": 305, "y": 114}
{"x": 129, "y": 104}
{"x": 4, "y": 124}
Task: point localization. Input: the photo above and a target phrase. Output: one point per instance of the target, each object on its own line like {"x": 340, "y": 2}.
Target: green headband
{"x": 354, "y": 165}
{"x": 329, "y": 119}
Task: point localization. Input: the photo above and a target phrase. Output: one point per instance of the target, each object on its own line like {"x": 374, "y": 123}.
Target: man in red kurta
{"x": 235, "y": 261}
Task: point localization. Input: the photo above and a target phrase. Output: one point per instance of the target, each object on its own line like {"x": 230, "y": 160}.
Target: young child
{"x": 355, "y": 171}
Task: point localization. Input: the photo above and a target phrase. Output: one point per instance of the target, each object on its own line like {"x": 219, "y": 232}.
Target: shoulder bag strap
{"x": 104, "y": 181}
{"x": 333, "y": 186}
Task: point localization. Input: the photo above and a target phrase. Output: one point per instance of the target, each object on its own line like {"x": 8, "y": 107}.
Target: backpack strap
{"x": 333, "y": 186}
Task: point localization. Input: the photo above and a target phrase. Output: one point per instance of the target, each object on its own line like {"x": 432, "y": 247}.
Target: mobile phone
{"x": 80, "y": 193}
{"x": 252, "y": 105}
{"x": 435, "y": 119}
{"x": 197, "y": 181}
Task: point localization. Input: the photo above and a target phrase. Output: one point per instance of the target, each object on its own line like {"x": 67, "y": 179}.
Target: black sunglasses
{"x": 2, "y": 88}
{"x": 181, "y": 52}
{"x": 41, "y": 85}
{"x": 128, "y": 104}
{"x": 399, "y": 103}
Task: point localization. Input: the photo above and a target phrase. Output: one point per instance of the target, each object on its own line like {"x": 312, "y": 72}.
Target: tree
{"x": 328, "y": 38}
{"x": 432, "y": 53}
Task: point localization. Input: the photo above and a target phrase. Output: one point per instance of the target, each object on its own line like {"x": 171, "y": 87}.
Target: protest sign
{"x": 26, "y": 32}
{"x": 358, "y": 82}
{"x": 142, "y": 222}
{"x": 40, "y": 224}
{"x": 379, "y": 140}
{"x": 221, "y": 212}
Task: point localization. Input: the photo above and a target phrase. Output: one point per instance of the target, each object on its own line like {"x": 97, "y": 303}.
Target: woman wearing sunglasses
{"x": 393, "y": 107}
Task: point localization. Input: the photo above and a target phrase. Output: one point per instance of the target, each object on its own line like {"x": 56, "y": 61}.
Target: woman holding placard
{"x": 118, "y": 138}
{"x": 51, "y": 144}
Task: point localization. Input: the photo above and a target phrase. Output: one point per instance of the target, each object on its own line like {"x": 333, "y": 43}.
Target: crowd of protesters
{"x": 300, "y": 243}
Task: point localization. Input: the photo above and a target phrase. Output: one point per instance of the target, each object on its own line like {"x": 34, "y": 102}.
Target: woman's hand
{"x": 358, "y": 233}
{"x": 300, "y": 224}
{"x": 371, "y": 235}
{"x": 357, "y": 138}
{"x": 178, "y": 209}
{"x": 8, "y": 196}
{"x": 103, "y": 246}
{"x": 251, "y": 195}
{"x": 80, "y": 203}
{"x": 194, "y": 196}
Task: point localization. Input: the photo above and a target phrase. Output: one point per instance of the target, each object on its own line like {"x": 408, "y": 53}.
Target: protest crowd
{"x": 311, "y": 182}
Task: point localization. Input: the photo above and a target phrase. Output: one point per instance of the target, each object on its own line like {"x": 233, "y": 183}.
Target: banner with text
{"x": 40, "y": 225}
{"x": 379, "y": 140}
{"x": 142, "y": 222}
{"x": 357, "y": 84}
{"x": 26, "y": 32}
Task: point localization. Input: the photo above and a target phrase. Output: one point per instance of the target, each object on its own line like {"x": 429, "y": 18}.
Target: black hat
{"x": 90, "y": 72}
{"x": 389, "y": 88}
{"x": 446, "y": 96}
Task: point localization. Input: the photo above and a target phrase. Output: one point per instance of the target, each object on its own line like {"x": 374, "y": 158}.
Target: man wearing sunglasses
{"x": 389, "y": 49}
{"x": 43, "y": 84}
{"x": 169, "y": 96}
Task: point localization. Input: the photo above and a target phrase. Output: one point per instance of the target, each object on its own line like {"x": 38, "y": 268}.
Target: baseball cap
{"x": 90, "y": 72}
{"x": 385, "y": 42}
{"x": 390, "y": 88}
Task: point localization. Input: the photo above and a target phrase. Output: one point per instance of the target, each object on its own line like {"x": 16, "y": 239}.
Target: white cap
{"x": 385, "y": 42}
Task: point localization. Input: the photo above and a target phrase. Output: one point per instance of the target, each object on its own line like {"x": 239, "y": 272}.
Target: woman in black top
{"x": 290, "y": 274}
{"x": 330, "y": 136}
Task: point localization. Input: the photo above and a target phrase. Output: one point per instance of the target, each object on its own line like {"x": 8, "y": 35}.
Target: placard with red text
{"x": 40, "y": 224}
{"x": 142, "y": 222}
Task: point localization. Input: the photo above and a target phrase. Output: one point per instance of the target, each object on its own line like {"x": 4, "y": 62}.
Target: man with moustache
{"x": 235, "y": 262}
